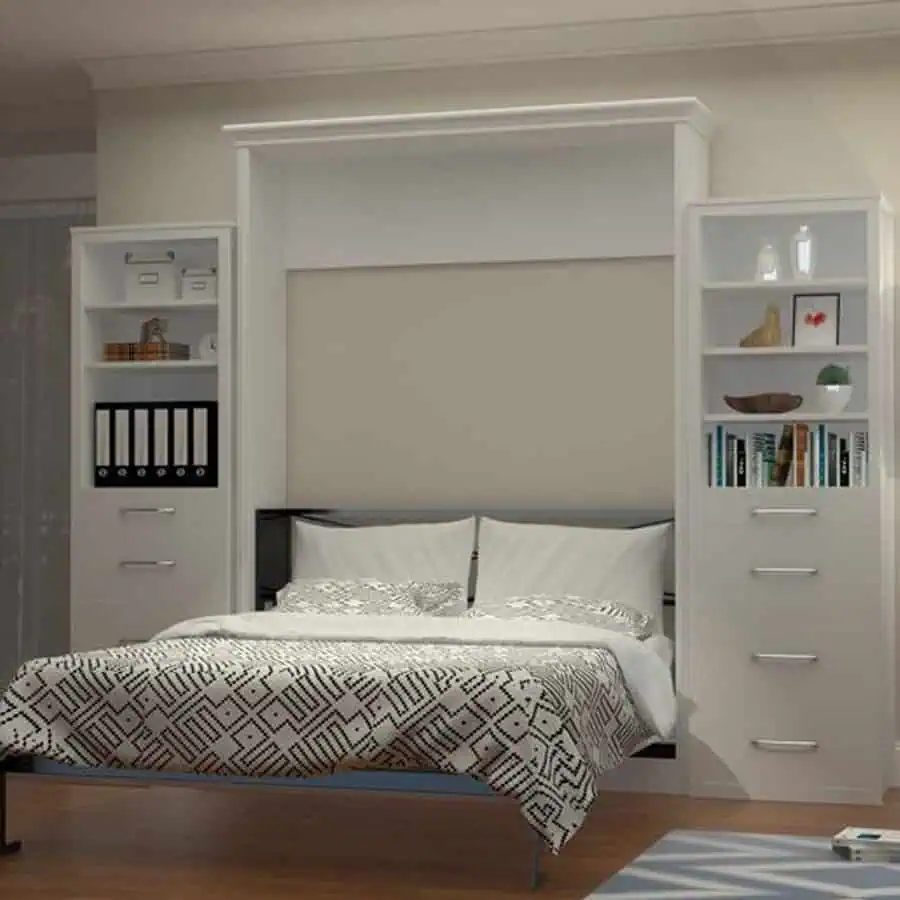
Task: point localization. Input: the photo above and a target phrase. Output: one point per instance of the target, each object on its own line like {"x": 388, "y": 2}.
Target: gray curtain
{"x": 35, "y": 312}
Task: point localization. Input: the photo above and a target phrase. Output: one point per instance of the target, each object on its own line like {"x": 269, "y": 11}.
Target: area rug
{"x": 697, "y": 865}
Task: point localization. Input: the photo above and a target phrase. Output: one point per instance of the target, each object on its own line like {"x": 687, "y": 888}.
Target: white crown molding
{"x": 587, "y": 117}
{"x": 821, "y": 23}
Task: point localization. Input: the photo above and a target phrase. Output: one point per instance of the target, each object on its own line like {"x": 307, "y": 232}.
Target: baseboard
{"x": 647, "y": 776}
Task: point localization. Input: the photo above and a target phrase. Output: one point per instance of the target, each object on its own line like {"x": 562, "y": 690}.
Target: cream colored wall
{"x": 537, "y": 385}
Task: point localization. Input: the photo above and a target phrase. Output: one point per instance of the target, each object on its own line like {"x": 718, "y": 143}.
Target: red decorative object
{"x": 816, "y": 320}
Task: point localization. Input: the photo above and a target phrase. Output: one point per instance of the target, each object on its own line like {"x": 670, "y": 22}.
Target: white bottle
{"x": 767, "y": 262}
{"x": 802, "y": 256}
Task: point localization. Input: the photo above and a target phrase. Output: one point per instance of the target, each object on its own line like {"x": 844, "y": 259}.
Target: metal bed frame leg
{"x": 536, "y": 875}
{"x": 7, "y": 847}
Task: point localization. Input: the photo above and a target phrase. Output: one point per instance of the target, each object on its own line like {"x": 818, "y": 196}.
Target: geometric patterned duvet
{"x": 539, "y": 724}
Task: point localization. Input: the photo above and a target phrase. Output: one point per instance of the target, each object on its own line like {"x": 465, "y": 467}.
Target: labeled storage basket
{"x": 151, "y": 279}
{"x": 199, "y": 285}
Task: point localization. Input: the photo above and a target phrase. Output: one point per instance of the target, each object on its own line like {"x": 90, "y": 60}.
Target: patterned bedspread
{"x": 534, "y": 720}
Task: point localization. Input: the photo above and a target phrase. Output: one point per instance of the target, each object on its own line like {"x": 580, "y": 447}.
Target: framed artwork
{"x": 817, "y": 320}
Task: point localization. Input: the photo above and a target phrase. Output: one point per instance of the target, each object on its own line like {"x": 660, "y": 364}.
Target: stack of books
{"x": 871, "y": 845}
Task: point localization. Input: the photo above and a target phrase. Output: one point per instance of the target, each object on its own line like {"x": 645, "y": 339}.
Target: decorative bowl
{"x": 764, "y": 404}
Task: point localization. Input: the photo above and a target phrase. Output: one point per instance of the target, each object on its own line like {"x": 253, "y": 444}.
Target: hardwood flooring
{"x": 102, "y": 841}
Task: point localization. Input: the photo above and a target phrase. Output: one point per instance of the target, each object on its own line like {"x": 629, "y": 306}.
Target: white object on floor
{"x": 867, "y": 844}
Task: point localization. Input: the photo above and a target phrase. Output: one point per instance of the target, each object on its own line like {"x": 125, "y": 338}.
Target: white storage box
{"x": 199, "y": 284}
{"x": 151, "y": 279}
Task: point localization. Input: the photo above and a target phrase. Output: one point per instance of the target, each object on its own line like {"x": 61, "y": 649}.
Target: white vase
{"x": 802, "y": 254}
{"x": 767, "y": 262}
{"x": 833, "y": 398}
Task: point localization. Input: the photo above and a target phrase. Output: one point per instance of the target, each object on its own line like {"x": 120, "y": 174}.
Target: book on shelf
{"x": 795, "y": 455}
{"x": 156, "y": 444}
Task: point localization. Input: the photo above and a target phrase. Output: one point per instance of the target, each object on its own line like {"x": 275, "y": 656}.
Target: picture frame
{"x": 816, "y": 320}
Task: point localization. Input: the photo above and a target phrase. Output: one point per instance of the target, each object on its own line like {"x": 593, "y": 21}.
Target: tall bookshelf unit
{"x": 788, "y": 632}
{"x": 152, "y": 495}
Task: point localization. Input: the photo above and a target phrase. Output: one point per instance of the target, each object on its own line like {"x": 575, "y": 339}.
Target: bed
{"x": 427, "y": 669}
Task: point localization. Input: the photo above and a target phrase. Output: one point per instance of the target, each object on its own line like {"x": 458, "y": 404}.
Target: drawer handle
{"x": 785, "y": 657}
{"x": 784, "y": 570}
{"x": 785, "y": 746}
{"x": 784, "y": 511}
{"x": 148, "y": 510}
{"x": 147, "y": 563}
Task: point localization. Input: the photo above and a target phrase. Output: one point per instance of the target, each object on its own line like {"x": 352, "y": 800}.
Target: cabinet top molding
{"x": 515, "y": 122}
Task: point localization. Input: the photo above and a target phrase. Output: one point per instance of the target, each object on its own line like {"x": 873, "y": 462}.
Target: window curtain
{"x": 35, "y": 314}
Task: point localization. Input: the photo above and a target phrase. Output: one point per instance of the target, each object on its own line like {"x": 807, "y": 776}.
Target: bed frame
{"x": 274, "y": 554}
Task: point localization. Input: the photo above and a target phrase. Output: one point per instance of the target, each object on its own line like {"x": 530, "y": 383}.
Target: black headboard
{"x": 274, "y": 543}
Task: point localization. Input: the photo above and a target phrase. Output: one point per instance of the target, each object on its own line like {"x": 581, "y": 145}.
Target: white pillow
{"x": 624, "y": 566}
{"x": 429, "y": 552}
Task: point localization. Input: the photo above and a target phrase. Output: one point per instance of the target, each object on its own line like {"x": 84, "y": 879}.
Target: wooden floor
{"x": 112, "y": 842}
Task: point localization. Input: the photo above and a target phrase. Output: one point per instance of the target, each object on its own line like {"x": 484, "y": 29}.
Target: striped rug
{"x": 697, "y": 865}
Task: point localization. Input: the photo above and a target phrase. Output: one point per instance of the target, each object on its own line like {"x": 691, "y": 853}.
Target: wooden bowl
{"x": 764, "y": 404}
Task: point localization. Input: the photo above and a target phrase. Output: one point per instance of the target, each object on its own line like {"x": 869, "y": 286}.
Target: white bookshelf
{"x": 148, "y": 553}
{"x": 788, "y": 635}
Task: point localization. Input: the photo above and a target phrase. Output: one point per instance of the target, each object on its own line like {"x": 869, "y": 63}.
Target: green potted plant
{"x": 833, "y": 389}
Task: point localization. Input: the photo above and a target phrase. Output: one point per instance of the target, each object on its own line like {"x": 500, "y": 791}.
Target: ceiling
{"x": 53, "y": 52}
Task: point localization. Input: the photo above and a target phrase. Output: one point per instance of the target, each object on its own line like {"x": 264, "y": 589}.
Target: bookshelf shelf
{"x": 763, "y": 352}
{"x": 788, "y": 519}
{"x": 163, "y": 306}
{"x": 155, "y": 366}
{"x": 783, "y": 418}
{"x": 771, "y": 287}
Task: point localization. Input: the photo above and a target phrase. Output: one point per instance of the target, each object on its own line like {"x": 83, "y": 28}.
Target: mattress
{"x": 536, "y": 710}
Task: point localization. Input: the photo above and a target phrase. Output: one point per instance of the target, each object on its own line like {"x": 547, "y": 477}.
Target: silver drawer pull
{"x": 147, "y": 563}
{"x": 148, "y": 510}
{"x": 784, "y": 570}
{"x": 785, "y": 746}
{"x": 784, "y": 511}
{"x": 785, "y": 657}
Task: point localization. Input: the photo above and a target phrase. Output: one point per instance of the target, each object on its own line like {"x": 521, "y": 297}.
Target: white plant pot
{"x": 833, "y": 398}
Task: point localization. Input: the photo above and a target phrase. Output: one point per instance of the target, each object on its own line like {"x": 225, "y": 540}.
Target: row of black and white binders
{"x": 155, "y": 444}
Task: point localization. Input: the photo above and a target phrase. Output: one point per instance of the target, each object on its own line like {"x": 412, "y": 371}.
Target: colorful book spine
{"x": 790, "y": 456}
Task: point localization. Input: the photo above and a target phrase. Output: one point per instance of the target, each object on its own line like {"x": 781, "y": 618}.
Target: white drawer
{"x": 789, "y": 523}
{"x": 815, "y": 552}
{"x": 144, "y": 560}
{"x": 818, "y": 724}
{"x": 118, "y": 606}
{"x": 785, "y": 770}
{"x": 149, "y": 523}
